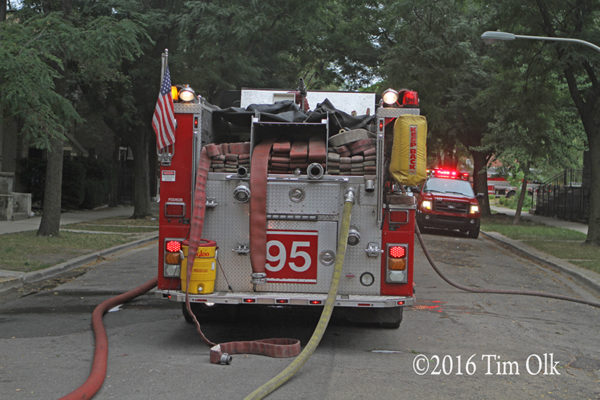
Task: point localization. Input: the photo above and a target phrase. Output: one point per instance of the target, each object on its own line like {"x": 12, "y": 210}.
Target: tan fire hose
{"x": 319, "y": 331}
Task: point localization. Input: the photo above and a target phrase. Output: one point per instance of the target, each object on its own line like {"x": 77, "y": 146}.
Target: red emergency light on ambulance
{"x": 273, "y": 179}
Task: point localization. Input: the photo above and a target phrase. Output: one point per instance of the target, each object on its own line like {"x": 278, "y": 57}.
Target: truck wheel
{"x": 204, "y": 313}
{"x": 474, "y": 233}
{"x": 186, "y": 314}
{"x": 388, "y": 318}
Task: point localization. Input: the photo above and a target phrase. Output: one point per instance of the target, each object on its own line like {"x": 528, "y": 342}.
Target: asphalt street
{"x": 450, "y": 345}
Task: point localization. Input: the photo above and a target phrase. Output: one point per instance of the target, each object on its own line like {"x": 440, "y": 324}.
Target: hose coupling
{"x": 225, "y": 359}
{"x": 349, "y": 196}
{"x": 242, "y": 193}
{"x": 259, "y": 278}
{"x": 242, "y": 172}
{"x": 315, "y": 171}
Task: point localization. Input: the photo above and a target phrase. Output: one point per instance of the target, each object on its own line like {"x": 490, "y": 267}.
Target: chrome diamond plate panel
{"x": 227, "y": 224}
{"x": 319, "y": 198}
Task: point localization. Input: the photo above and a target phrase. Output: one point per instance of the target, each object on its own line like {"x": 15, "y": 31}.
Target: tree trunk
{"x": 141, "y": 171}
{"x": 50, "y": 223}
{"x": 480, "y": 181}
{"x": 3, "y": 8}
{"x": 113, "y": 198}
{"x": 517, "y": 218}
{"x": 593, "y": 236}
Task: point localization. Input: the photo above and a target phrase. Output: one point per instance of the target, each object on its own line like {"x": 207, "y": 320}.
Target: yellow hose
{"x": 317, "y": 335}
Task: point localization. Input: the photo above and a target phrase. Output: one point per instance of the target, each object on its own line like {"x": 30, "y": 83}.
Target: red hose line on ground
{"x": 96, "y": 378}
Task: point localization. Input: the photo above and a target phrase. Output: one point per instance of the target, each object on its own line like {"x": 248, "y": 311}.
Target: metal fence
{"x": 564, "y": 197}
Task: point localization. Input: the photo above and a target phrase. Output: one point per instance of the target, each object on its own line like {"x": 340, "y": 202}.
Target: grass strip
{"x": 26, "y": 252}
{"x": 562, "y": 243}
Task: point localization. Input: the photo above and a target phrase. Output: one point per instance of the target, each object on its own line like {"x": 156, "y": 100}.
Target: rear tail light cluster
{"x": 172, "y": 258}
{"x": 397, "y": 263}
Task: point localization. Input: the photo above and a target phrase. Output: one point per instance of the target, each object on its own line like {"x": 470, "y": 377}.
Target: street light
{"x": 492, "y": 36}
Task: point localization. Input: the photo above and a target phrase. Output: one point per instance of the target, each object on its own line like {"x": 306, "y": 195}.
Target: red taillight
{"x": 410, "y": 98}
{"x": 315, "y": 302}
{"x": 397, "y": 251}
{"x": 173, "y": 246}
{"x": 249, "y": 300}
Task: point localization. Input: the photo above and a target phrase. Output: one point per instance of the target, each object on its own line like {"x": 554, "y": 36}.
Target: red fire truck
{"x": 348, "y": 145}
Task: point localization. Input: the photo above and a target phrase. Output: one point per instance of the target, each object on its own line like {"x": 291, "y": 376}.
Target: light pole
{"x": 492, "y": 36}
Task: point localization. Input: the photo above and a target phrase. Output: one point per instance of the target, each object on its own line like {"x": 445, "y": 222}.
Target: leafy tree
{"x": 51, "y": 52}
{"x": 538, "y": 129}
{"x": 578, "y": 67}
{"x": 434, "y": 46}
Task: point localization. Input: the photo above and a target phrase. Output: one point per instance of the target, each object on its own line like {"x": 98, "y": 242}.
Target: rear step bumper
{"x": 293, "y": 299}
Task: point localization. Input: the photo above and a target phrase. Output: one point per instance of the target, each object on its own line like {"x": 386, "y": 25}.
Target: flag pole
{"x": 164, "y": 59}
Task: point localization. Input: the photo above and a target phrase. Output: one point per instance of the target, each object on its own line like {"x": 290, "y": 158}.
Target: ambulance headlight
{"x": 187, "y": 94}
{"x": 390, "y": 96}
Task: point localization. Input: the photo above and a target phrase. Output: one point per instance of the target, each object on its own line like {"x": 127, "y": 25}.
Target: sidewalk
{"x": 11, "y": 280}
{"x": 71, "y": 217}
{"x": 575, "y": 226}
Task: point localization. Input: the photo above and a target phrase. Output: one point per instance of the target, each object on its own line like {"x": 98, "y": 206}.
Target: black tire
{"x": 474, "y": 233}
{"x": 387, "y": 318}
{"x": 204, "y": 313}
{"x": 186, "y": 314}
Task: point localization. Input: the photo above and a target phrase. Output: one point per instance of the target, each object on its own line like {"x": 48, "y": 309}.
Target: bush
{"x": 512, "y": 201}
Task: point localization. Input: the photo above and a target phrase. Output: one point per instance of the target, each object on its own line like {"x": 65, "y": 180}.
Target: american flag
{"x": 163, "y": 120}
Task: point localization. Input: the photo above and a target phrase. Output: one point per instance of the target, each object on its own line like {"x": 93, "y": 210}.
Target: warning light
{"x": 249, "y": 300}
{"x": 445, "y": 173}
{"x": 173, "y": 246}
{"x": 410, "y": 98}
{"x": 281, "y": 301}
{"x": 397, "y": 251}
{"x": 315, "y": 302}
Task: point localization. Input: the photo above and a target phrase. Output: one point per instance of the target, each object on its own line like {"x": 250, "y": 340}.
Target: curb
{"x": 20, "y": 279}
{"x": 589, "y": 278}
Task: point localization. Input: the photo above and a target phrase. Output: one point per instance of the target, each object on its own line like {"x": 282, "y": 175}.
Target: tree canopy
{"x": 531, "y": 104}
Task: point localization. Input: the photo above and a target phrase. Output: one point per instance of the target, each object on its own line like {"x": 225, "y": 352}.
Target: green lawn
{"x": 26, "y": 252}
{"x": 562, "y": 243}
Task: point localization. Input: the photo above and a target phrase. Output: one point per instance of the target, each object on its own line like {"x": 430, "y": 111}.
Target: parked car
{"x": 447, "y": 201}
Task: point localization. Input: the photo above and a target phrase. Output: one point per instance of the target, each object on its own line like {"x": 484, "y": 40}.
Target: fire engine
{"x": 275, "y": 177}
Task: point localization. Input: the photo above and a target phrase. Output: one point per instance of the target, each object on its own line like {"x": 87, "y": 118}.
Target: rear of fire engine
{"x": 275, "y": 178}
